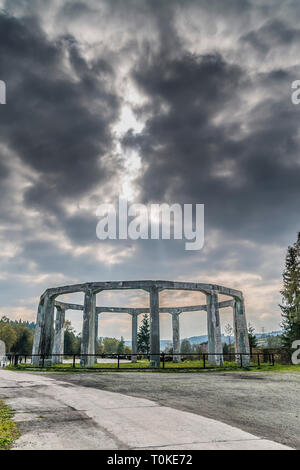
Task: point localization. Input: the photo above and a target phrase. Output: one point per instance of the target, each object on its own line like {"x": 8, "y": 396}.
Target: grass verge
{"x": 9, "y": 431}
{"x": 143, "y": 366}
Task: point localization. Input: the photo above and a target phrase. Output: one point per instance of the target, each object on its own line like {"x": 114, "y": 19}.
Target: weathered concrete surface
{"x": 214, "y": 329}
{"x": 143, "y": 284}
{"x": 154, "y": 328}
{"x": 176, "y": 336}
{"x": 241, "y": 339}
{"x": 134, "y": 333}
{"x": 139, "y": 311}
{"x": 58, "y": 346}
{"x": 88, "y": 329}
{"x": 265, "y": 404}
{"x": 55, "y": 415}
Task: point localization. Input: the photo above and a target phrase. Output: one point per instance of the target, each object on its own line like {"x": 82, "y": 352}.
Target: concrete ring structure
{"x": 49, "y": 340}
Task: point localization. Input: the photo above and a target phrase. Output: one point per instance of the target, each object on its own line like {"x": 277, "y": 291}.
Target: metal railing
{"x": 143, "y": 361}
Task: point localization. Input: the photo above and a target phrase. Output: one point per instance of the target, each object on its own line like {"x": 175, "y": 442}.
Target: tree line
{"x": 17, "y": 335}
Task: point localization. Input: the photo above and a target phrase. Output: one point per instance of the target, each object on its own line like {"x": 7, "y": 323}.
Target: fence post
{"x": 16, "y": 360}
{"x": 163, "y": 358}
{"x": 43, "y": 360}
{"x": 118, "y": 361}
{"x": 241, "y": 357}
{"x": 258, "y": 361}
{"x": 203, "y": 361}
{"x": 74, "y": 361}
{"x": 273, "y": 360}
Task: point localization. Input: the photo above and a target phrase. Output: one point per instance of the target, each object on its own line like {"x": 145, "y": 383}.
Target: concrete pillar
{"x": 88, "y": 329}
{"x": 134, "y": 330}
{"x": 37, "y": 334}
{"x": 214, "y": 329}
{"x": 241, "y": 339}
{"x": 96, "y": 333}
{"x": 176, "y": 337}
{"x": 59, "y": 336}
{"x": 44, "y": 336}
{"x": 154, "y": 328}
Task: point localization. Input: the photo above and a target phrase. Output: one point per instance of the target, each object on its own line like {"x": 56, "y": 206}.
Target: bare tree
{"x": 228, "y": 331}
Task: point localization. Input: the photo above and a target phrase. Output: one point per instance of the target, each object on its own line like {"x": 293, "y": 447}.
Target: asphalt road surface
{"x": 266, "y": 404}
{"x": 153, "y": 410}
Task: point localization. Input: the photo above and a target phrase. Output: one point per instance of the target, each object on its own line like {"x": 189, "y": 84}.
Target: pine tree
{"x": 252, "y": 337}
{"x": 143, "y": 336}
{"x": 185, "y": 347}
{"x": 291, "y": 295}
{"x": 121, "y": 346}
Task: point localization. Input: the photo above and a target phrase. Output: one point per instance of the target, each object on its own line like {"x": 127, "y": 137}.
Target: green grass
{"x": 143, "y": 365}
{"x": 278, "y": 368}
{"x": 8, "y": 429}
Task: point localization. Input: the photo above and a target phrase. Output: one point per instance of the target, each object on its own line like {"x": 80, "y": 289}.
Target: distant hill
{"x": 204, "y": 338}
{"x": 267, "y": 335}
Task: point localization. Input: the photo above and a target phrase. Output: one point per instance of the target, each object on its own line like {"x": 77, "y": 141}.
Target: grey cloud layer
{"x": 57, "y": 122}
{"x": 220, "y": 129}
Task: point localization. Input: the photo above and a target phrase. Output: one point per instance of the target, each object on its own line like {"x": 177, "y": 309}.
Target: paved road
{"x": 266, "y": 404}
{"x": 56, "y": 414}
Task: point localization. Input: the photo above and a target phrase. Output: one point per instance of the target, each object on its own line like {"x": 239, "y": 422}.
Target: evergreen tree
{"x": 70, "y": 343}
{"x": 252, "y": 337}
{"x": 291, "y": 295}
{"x": 121, "y": 346}
{"x": 110, "y": 345}
{"x": 100, "y": 347}
{"x": 229, "y": 332}
{"x": 23, "y": 343}
{"x": 185, "y": 347}
{"x": 143, "y": 336}
{"x": 7, "y": 334}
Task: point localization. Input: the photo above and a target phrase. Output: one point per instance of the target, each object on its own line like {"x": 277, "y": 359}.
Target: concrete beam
{"x": 139, "y": 311}
{"x": 96, "y": 287}
{"x": 68, "y": 306}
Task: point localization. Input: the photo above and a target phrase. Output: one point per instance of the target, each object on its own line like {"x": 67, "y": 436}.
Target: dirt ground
{"x": 266, "y": 404}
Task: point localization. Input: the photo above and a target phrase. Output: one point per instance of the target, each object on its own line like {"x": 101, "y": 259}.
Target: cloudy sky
{"x": 156, "y": 101}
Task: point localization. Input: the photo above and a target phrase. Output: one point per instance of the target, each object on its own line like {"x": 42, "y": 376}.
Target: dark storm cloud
{"x": 56, "y": 121}
{"x": 81, "y": 227}
{"x": 4, "y": 171}
{"x": 187, "y": 147}
{"x": 274, "y": 33}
